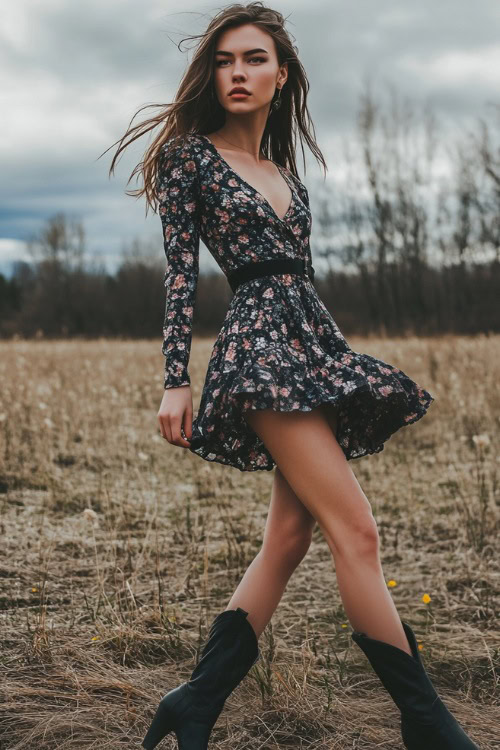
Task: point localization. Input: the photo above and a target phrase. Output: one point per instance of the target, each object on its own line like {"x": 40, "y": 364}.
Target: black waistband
{"x": 268, "y": 267}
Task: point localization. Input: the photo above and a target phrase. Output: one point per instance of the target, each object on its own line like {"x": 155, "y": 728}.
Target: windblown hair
{"x": 197, "y": 110}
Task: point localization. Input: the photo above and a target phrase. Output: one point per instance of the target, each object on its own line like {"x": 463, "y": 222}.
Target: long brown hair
{"x": 196, "y": 108}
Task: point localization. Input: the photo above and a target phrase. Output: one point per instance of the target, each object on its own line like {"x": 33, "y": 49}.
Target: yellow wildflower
{"x": 426, "y": 598}
{"x": 392, "y": 583}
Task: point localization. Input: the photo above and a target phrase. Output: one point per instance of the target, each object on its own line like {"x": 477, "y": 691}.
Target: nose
{"x": 238, "y": 73}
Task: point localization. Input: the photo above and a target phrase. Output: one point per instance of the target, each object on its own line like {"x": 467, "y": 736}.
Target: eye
{"x": 259, "y": 59}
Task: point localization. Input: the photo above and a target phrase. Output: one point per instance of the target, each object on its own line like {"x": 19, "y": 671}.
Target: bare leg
{"x": 306, "y": 450}
{"x": 287, "y": 537}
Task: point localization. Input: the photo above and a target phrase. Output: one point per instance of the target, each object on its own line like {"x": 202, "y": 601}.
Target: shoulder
{"x": 179, "y": 159}
{"x": 292, "y": 177}
{"x": 299, "y": 186}
{"x": 184, "y": 153}
{"x": 182, "y": 147}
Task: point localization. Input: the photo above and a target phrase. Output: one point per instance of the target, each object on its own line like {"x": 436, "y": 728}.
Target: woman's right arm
{"x": 178, "y": 199}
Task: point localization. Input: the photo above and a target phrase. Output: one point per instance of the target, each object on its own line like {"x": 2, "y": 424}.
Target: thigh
{"x": 331, "y": 413}
{"x": 305, "y": 448}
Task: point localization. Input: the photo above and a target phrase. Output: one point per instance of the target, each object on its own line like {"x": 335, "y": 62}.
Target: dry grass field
{"x": 119, "y": 549}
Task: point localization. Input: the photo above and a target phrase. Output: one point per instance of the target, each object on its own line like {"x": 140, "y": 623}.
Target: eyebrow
{"x": 248, "y": 52}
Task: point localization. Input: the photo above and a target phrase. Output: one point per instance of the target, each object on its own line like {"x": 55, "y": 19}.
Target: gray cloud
{"x": 73, "y": 74}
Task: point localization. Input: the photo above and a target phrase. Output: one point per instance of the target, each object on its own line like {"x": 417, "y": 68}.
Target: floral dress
{"x": 278, "y": 346}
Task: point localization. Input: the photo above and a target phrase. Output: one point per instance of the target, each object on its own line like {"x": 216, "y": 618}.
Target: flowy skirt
{"x": 280, "y": 348}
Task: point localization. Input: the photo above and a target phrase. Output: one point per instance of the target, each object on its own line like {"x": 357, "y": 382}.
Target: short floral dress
{"x": 278, "y": 346}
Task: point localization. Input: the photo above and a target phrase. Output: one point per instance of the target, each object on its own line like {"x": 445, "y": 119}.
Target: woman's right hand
{"x": 176, "y": 412}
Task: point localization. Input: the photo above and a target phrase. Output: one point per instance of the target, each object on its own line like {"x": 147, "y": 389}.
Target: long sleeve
{"x": 178, "y": 200}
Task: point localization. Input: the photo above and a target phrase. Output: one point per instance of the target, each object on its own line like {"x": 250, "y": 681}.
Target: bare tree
{"x": 60, "y": 241}
{"x": 489, "y": 206}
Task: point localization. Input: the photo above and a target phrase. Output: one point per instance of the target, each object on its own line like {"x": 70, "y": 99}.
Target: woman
{"x": 283, "y": 389}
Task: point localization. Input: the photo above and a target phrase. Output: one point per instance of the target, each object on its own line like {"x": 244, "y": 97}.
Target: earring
{"x": 277, "y": 103}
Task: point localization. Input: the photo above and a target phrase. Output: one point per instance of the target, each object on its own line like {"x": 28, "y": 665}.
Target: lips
{"x": 239, "y": 90}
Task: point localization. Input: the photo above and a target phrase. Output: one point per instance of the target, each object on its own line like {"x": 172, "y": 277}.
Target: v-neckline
{"x": 241, "y": 179}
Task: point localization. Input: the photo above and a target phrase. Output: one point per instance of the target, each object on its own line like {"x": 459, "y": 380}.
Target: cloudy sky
{"x": 74, "y": 73}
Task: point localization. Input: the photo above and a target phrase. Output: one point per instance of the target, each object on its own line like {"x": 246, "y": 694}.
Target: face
{"x": 246, "y": 56}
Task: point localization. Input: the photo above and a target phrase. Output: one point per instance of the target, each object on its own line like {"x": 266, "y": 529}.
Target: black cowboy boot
{"x": 426, "y": 723}
{"x": 192, "y": 709}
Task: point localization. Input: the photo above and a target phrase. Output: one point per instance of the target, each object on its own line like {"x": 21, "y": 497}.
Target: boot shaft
{"x": 402, "y": 675}
{"x": 229, "y": 653}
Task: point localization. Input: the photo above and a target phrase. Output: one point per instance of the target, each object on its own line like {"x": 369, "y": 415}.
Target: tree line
{"x": 406, "y": 242}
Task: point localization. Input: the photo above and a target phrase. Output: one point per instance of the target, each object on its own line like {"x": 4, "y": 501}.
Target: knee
{"x": 294, "y": 547}
{"x": 291, "y": 547}
{"x": 360, "y": 539}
